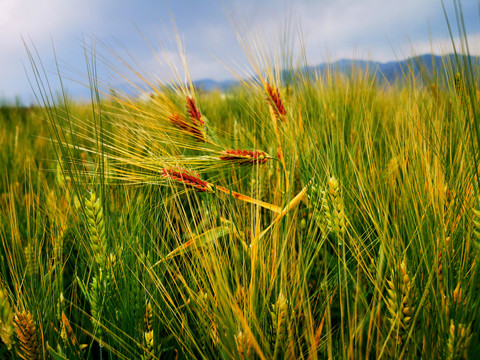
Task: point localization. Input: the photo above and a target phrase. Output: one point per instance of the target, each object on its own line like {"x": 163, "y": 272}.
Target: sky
{"x": 66, "y": 32}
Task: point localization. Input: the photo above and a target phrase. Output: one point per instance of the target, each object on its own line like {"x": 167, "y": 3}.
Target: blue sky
{"x": 381, "y": 30}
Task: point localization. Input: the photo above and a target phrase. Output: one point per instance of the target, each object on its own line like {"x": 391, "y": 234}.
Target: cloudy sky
{"x": 381, "y": 30}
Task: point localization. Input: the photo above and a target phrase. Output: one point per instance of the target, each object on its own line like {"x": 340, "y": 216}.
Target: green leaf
{"x": 55, "y": 355}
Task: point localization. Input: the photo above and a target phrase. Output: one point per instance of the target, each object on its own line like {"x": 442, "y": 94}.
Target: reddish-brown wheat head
{"x": 188, "y": 178}
{"x": 275, "y": 102}
{"x": 181, "y": 123}
{"x": 194, "y": 113}
{"x": 244, "y": 157}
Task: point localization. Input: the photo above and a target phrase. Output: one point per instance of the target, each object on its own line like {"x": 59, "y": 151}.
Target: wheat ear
{"x": 96, "y": 228}
{"x": 243, "y": 344}
{"x": 188, "y": 178}
{"x": 399, "y": 303}
{"x": 459, "y": 338}
{"x": 275, "y": 102}
{"x": 181, "y": 123}
{"x": 244, "y": 157}
{"x": 194, "y": 113}
{"x": 148, "y": 339}
{"x": 28, "y": 347}
{"x": 282, "y": 323}
{"x": 338, "y": 210}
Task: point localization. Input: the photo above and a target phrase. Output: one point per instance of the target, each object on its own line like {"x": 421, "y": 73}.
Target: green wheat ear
{"x": 282, "y": 323}
{"x": 399, "y": 303}
{"x": 96, "y": 228}
{"x": 279, "y": 317}
{"x": 459, "y": 338}
{"x": 148, "y": 338}
{"x": 329, "y": 210}
{"x": 338, "y": 209}
{"x": 6, "y": 319}
{"x": 30, "y": 259}
{"x": 321, "y": 209}
{"x": 243, "y": 345}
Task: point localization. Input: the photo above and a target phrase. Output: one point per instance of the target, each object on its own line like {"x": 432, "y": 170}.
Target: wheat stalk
{"x": 441, "y": 259}
{"x": 97, "y": 297}
{"x": 6, "y": 318}
{"x": 476, "y": 227}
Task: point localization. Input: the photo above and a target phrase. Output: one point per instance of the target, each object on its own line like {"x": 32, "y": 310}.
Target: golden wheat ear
{"x": 399, "y": 304}
{"x": 28, "y": 346}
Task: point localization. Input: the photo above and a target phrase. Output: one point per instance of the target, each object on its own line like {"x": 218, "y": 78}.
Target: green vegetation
{"x": 319, "y": 218}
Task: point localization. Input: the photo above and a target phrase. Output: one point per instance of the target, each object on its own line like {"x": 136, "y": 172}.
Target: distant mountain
{"x": 209, "y": 84}
{"x": 427, "y": 66}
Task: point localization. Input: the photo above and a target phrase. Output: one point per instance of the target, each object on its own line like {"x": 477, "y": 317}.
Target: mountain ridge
{"x": 429, "y": 65}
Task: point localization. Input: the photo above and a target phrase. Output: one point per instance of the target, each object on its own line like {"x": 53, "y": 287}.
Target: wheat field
{"x": 307, "y": 216}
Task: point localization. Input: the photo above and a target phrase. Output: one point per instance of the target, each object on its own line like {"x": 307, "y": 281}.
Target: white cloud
{"x": 42, "y": 19}
{"x": 40, "y": 23}
{"x": 343, "y": 28}
{"x": 444, "y": 46}
{"x": 364, "y": 28}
